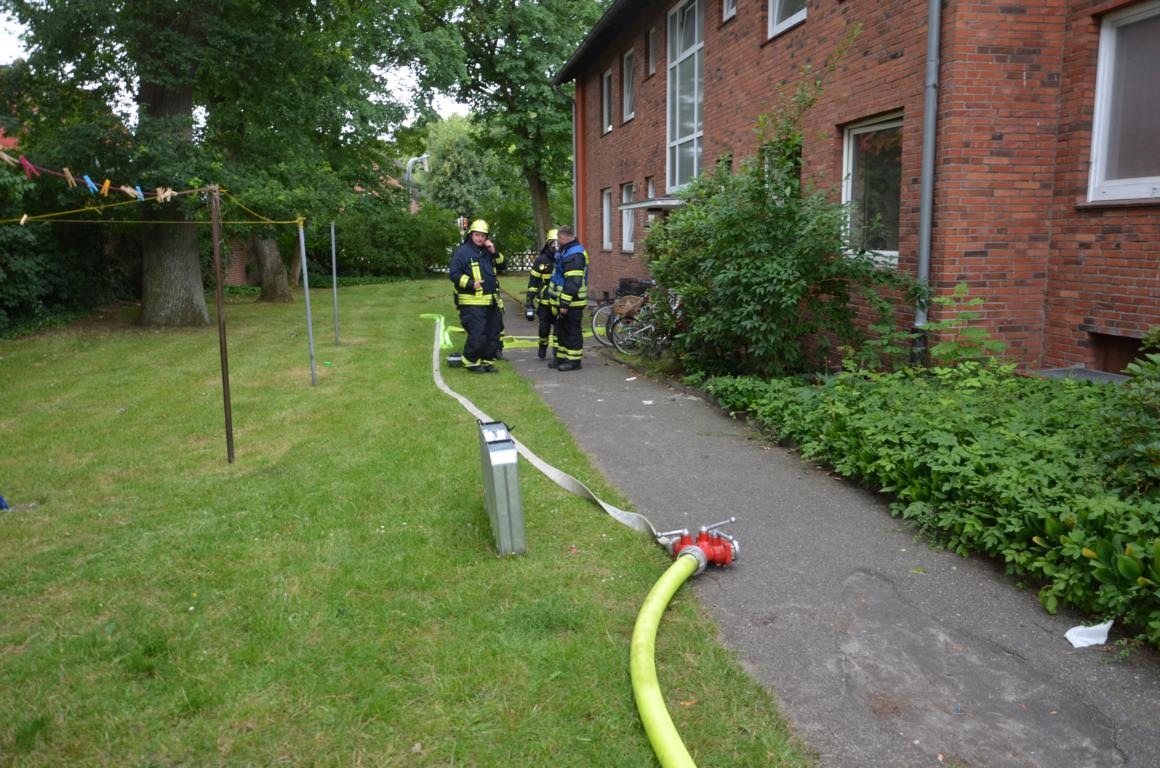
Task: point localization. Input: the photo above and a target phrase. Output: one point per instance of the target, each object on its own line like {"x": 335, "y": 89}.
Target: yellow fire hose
{"x": 658, "y": 725}
{"x": 692, "y": 558}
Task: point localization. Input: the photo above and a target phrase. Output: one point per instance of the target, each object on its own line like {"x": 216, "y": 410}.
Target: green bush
{"x": 768, "y": 280}
{"x": 384, "y": 239}
{"x": 1049, "y": 476}
{"x": 54, "y": 273}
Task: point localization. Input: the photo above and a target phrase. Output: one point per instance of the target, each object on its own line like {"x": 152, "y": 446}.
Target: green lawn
{"x": 333, "y": 597}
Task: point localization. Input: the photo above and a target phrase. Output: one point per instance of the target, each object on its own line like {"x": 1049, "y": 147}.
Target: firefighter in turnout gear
{"x": 472, "y": 272}
{"x": 538, "y": 305}
{"x": 568, "y": 292}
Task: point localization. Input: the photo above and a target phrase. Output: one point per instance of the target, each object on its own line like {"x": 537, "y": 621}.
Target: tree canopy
{"x": 288, "y": 104}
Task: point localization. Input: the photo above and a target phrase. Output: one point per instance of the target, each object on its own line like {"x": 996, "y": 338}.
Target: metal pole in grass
{"x": 334, "y": 281}
{"x": 306, "y": 292}
{"x": 215, "y": 215}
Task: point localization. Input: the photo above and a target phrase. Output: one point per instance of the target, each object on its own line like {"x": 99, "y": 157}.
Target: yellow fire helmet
{"x": 552, "y": 234}
{"x": 479, "y": 225}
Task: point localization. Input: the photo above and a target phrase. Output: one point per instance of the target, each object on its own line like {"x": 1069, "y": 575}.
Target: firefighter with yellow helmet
{"x": 568, "y": 293}
{"x": 473, "y": 273}
{"x": 538, "y": 305}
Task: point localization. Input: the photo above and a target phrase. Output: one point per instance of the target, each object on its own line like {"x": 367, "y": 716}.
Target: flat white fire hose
{"x": 633, "y": 520}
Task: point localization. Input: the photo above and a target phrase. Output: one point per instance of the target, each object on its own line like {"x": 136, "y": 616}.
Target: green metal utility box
{"x": 501, "y": 487}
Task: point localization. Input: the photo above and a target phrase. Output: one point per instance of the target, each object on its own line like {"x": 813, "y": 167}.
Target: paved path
{"x": 882, "y": 652}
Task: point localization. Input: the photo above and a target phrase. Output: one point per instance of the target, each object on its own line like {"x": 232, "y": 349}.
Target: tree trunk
{"x": 171, "y": 288}
{"x": 541, "y": 214}
{"x": 275, "y": 284}
{"x": 171, "y": 284}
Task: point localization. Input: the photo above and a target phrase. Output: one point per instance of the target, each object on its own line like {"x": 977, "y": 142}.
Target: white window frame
{"x": 651, "y": 45}
{"x": 606, "y": 218}
{"x": 651, "y": 194}
{"x": 776, "y": 27}
{"x": 893, "y": 120}
{"x": 628, "y": 85}
{"x": 1099, "y": 186}
{"x": 728, "y": 9}
{"x": 606, "y": 101}
{"x": 675, "y": 58}
{"x": 627, "y": 219}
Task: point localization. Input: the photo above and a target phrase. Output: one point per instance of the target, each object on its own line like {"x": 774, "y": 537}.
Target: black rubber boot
{"x": 542, "y": 352}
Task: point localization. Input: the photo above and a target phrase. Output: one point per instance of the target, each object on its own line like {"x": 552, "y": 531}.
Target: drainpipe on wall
{"x": 580, "y": 162}
{"x": 926, "y": 189}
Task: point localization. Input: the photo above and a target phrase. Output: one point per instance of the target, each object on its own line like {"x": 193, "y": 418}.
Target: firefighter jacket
{"x": 471, "y": 264}
{"x": 540, "y": 276}
{"x": 569, "y": 283}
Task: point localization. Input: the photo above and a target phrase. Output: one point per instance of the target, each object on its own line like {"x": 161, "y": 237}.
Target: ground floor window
{"x": 1126, "y": 128}
{"x": 606, "y": 219}
{"x": 627, "y": 220}
{"x": 872, "y": 185}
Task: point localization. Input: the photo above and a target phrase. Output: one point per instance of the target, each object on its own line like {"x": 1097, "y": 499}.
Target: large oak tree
{"x": 281, "y": 101}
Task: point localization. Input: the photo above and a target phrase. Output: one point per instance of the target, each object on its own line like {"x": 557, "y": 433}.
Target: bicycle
{"x": 638, "y": 330}
{"x": 605, "y": 310}
{"x": 600, "y": 318}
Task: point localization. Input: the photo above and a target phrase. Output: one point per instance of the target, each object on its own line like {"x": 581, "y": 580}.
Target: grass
{"x": 333, "y": 597}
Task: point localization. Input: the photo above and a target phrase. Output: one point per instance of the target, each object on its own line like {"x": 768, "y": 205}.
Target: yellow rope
{"x": 55, "y": 217}
{"x": 195, "y": 222}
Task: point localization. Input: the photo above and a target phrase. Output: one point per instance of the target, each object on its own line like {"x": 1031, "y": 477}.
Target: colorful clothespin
{"x": 164, "y": 194}
{"x": 8, "y": 158}
{"x": 140, "y": 194}
{"x": 69, "y": 178}
{"x": 105, "y": 188}
{"x": 30, "y": 170}
{"x": 24, "y": 219}
{"x": 128, "y": 190}
{"x": 92, "y": 187}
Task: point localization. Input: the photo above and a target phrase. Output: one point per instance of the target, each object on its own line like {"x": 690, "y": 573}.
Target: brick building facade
{"x": 1066, "y": 260}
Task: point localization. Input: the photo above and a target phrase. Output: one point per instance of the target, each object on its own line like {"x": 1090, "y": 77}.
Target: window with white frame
{"x": 650, "y": 49}
{"x": 728, "y": 9}
{"x": 627, "y": 81}
{"x": 606, "y": 102}
{"x": 872, "y": 185}
{"x": 606, "y": 218}
{"x": 1125, "y": 163}
{"x": 686, "y": 92}
{"x": 627, "y": 219}
{"x": 783, "y": 14}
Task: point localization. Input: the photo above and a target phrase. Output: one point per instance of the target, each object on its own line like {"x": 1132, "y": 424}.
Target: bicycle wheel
{"x": 600, "y": 320}
{"x": 626, "y": 334}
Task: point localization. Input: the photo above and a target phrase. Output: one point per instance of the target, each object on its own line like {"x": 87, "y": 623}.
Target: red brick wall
{"x": 238, "y": 256}
{"x": 1015, "y": 101}
{"x": 1105, "y": 259}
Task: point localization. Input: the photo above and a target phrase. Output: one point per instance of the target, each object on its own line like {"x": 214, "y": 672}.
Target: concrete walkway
{"x": 881, "y": 651}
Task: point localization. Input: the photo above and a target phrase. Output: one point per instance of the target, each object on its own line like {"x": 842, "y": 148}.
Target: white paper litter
{"x": 631, "y": 378}
{"x": 646, "y": 402}
{"x": 1082, "y": 637}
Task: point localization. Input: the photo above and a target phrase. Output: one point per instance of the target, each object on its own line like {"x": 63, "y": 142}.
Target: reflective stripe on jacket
{"x": 569, "y": 284}
{"x": 470, "y": 265}
{"x": 540, "y": 274}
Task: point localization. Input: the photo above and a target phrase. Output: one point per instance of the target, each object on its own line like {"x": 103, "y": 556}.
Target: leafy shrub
{"x": 52, "y": 274}
{"x": 765, "y": 271}
{"x": 377, "y": 238}
{"x": 1027, "y": 470}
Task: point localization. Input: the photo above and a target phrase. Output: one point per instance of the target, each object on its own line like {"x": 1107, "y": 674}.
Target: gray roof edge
{"x": 609, "y": 22}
